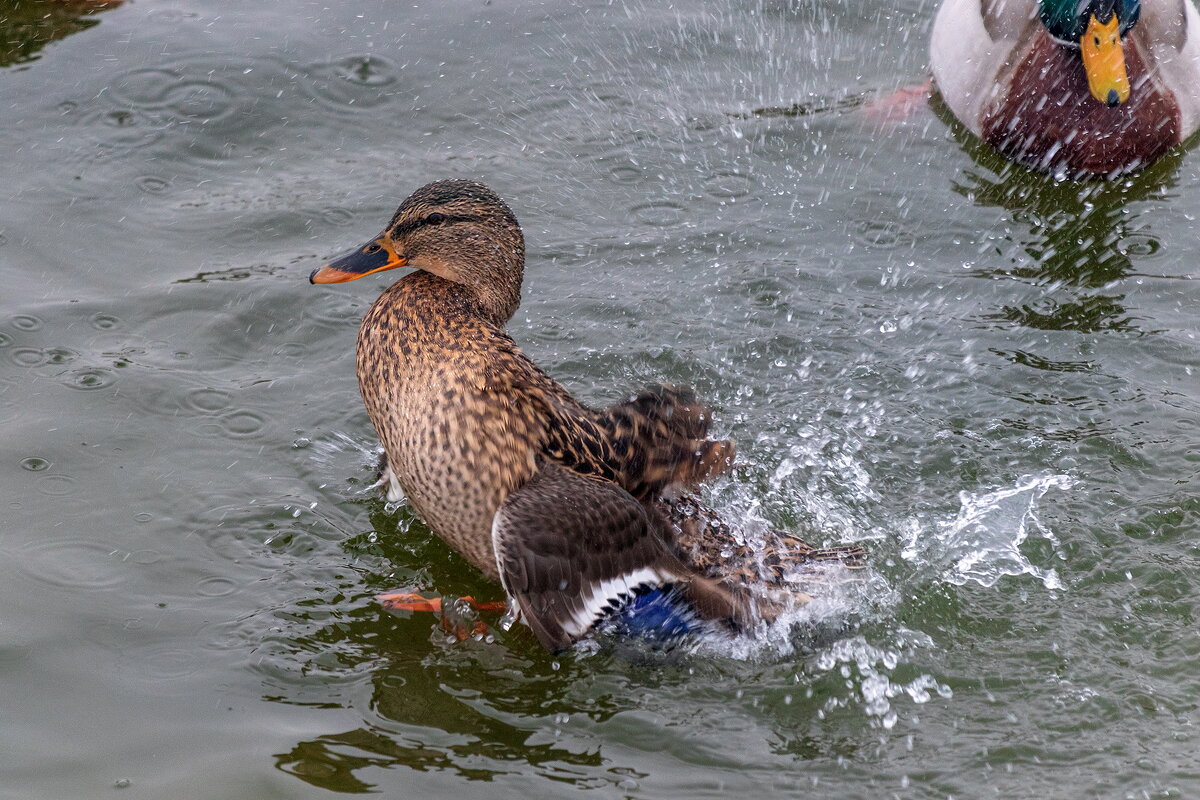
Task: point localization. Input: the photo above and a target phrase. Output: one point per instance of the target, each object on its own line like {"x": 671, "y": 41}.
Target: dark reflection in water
{"x": 26, "y": 26}
{"x": 414, "y": 718}
{"x": 1081, "y": 242}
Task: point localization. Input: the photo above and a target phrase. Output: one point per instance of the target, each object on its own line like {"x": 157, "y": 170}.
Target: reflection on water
{"x": 414, "y": 686}
{"x": 26, "y": 26}
{"x": 1081, "y": 239}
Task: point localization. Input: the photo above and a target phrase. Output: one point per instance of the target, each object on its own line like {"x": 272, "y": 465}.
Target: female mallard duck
{"x": 575, "y": 511}
{"x": 1083, "y": 87}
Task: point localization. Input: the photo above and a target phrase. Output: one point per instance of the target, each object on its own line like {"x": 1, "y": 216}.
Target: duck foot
{"x": 899, "y": 106}
{"x": 451, "y": 615}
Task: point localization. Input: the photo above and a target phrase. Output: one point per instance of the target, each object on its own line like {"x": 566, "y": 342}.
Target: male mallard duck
{"x": 575, "y": 511}
{"x": 1085, "y": 87}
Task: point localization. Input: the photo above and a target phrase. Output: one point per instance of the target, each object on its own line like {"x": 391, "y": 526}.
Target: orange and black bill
{"x": 1104, "y": 61}
{"x": 374, "y": 256}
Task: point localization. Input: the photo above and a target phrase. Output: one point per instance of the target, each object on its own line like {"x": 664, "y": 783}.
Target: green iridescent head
{"x": 1067, "y": 20}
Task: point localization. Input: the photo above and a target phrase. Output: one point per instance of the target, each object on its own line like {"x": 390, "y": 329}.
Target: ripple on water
{"x": 116, "y": 132}
{"x": 627, "y": 174}
{"x": 291, "y": 350}
{"x": 145, "y": 557}
{"x": 728, "y": 185}
{"x": 352, "y": 82}
{"x": 26, "y": 322}
{"x": 152, "y": 184}
{"x": 333, "y": 310}
{"x": 57, "y": 485}
{"x": 263, "y": 534}
{"x": 90, "y": 378}
{"x": 204, "y": 98}
{"x": 216, "y": 586}
{"x": 336, "y": 215}
{"x": 77, "y": 564}
{"x": 28, "y": 356}
{"x": 883, "y": 234}
{"x": 168, "y": 663}
{"x": 104, "y": 322}
{"x": 35, "y": 464}
{"x": 659, "y": 213}
{"x": 207, "y": 400}
{"x": 243, "y": 424}
{"x": 5, "y": 339}
{"x": 1141, "y": 244}
{"x": 161, "y": 400}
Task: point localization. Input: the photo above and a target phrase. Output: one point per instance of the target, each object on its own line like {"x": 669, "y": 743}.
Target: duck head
{"x": 458, "y": 230}
{"x": 1096, "y": 28}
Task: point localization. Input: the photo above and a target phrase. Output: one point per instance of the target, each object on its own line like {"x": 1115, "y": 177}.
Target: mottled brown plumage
{"x": 566, "y": 505}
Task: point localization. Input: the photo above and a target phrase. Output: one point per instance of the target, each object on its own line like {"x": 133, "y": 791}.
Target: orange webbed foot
{"x": 454, "y": 624}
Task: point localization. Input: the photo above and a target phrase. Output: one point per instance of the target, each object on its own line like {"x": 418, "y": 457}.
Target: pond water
{"x": 985, "y": 377}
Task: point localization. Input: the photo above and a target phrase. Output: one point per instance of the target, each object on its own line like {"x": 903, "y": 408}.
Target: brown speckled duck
{"x": 579, "y": 513}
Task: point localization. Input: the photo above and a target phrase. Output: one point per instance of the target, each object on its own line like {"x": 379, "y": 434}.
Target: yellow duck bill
{"x": 1104, "y": 61}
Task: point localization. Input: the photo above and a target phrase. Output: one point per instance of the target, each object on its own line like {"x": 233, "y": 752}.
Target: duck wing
{"x": 655, "y": 439}
{"x": 573, "y": 548}
{"x": 711, "y": 547}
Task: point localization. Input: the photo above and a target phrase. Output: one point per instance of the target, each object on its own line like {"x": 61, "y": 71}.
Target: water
{"x": 986, "y": 377}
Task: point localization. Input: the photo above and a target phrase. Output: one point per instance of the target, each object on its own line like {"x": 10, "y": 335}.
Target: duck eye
{"x": 373, "y": 247}
{"x": 435, "y": 218}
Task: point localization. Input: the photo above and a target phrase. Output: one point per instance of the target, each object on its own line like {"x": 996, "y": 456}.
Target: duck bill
{"x": 376, "y": 255}
{"x": 1104, "y": 61}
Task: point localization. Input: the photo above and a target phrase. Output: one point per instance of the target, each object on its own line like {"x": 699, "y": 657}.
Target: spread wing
{"x": 654, "y": 439}
{"x": 571, "y": 548}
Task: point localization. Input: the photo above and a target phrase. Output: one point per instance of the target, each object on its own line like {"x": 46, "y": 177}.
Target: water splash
{"x": 867, "y": 670}
{"x": 982, "y": 543}
{"x": 328, "y": 449}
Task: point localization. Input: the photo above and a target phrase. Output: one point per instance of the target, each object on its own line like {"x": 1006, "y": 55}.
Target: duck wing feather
{"x": 571, "y": 548}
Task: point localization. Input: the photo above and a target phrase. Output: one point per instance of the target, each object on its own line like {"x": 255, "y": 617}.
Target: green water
{"x": 985, "y": 377}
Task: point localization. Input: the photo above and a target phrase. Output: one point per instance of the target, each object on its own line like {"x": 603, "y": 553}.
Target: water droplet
{"x": 35, "y": 464}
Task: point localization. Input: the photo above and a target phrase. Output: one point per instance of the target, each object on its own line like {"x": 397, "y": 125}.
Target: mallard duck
{"x": 580, "y": 514}
{"x": 1081, "y": 87}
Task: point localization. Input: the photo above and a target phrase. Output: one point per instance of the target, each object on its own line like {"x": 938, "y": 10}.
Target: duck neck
{"x": 498, "y": 296}
{"x": 428, "y": 293}
{"x": 488, "y": 278}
